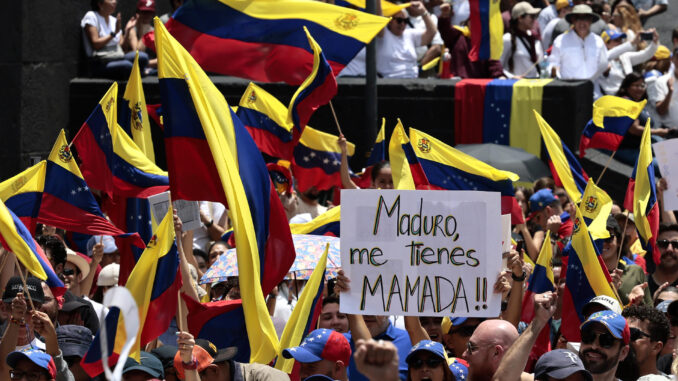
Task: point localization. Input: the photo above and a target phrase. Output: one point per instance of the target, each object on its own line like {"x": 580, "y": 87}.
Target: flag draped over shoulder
{"x": 566, "y": 170}
{"x": 586, "y": 277}
{"x": 325, "y": 224}
{"x": 317, "y": 89}
{"x": 266, "y": 120}
{"x": 305, "y": 314}
{"x": 134, "y": 115}
{"x": 641, "y": 198}
{"x": 612, "y": 117}
{"x": 487, "y": 30}
{"x": 155, "y": 282}
{"x": 211, "y": 152}
{"x": 448, "y": 168}
{"x": 317, "y": 160}
{"x": 263, "y": 40}
{"x": 54, "y": 192}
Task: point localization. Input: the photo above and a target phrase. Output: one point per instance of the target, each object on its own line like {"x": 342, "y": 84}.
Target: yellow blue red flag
{"x": 487, "y": 30}
{"x": 317, "y": 160}
{"x": 134, "y": 118}
{"x": 612, "y": 117}
{"x": 325, "y": 224}
{"x": 595, "y": 207}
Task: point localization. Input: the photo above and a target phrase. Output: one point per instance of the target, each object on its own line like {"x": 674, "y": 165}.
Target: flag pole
{"x": 180, "y": 312}
{"x": 623, "y": 235}
{"x": 334, "y": 114}
{"x": 604, "y": 168}
{"x": 23, "y": 280}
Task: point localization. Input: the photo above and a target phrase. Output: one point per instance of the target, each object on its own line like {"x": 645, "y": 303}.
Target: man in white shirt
{"x": 579, "y": 54}
{"x": 662, "y": 97}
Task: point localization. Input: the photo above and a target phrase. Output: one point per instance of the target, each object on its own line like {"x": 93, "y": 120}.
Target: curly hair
{"x": 659, "y": 325}
{"x": 56, "y": 248}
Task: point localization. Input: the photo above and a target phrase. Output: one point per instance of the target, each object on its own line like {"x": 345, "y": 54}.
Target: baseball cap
{"x": 39, "y": 358}
{"x": 432, "y": 347}
{"x": 459, "y": 368}
{"x": 611, "y": 35}
{"x": 219, "y": 355}
{"x": 165, "y": 354}
{"x": 602, "y": 300}
{"x": 108, "y": 276}
{"x": 560, "y": 4}
{"x": 202, "y": 358}
{"x": 321, "y": 344}
{"x": 523, "y": 8}
{"x": 540, "y": 200}
{"x": 559, "y": 364}
{"x": 281, "y": 176}
{"x": 613, "y": 225}
{"x": 613, "y": 322}
{"x": 107, "y": 241}
{"x": 15, "y": 286}
{"x": 78, "y": 261}
{"x": 662, "y": 53}
{"x": 146, "y": 5}
{"x": 663, "y": 307}
{"x": 149, "y": 364}
{"x": 74, "y": 340}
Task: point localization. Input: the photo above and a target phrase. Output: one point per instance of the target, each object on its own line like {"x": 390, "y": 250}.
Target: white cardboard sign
{"x": 422, "y": 253}
{"x": 188, "y": 211}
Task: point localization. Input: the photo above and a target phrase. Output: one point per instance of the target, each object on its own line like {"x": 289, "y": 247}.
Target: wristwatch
{"x": 113, "y": 34}
{"x": 209, "y": 224}
{"x": 520, "y": 278}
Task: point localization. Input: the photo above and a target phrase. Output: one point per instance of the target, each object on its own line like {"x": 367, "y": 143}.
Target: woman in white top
{"x": 522, "y": 51}
{"x": 622, "y": 57}
{"x": 103, "y": 39}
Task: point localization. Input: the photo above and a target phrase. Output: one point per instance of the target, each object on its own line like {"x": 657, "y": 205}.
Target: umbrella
{"x": 309, "y": 248}
{"x": 512, "y": 159}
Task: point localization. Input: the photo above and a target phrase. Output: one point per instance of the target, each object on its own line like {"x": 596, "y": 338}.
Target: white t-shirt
{"x": 577, "y": 58}
{"x": 104, "y": 28}
{"x": 397, "y": 55}
{"x": 419, "y": 23}
{"x": 661, "y": 89}
{"x": 522, "y": 63}
{"x": 214, "y": 211}
{"x": 546, "y": 15}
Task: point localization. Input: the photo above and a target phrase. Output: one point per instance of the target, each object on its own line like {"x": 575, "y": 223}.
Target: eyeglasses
{"x": 471, "y": 347}
{"x": 431, "y": 362}
{"x": 664, "y": 243}
{"x": 400, "y": 20}
{"x": 605, "y": 339}
{"x": 465, "y": 331}
{"x": 637, "y": 334}
{"x": 29, "y": 376}
{"x": 69, "y": 272}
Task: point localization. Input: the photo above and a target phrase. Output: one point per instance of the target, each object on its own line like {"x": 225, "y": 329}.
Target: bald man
{"x": 487, "y": 346}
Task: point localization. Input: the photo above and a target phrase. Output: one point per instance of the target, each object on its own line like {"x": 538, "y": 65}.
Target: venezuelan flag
{"x": 54, "y": 192}
{"x": 134, "y": 117}
{"x": 586, "y": 277}
{"x": 487, "y": 30}
{"x": 612, "y": 117}
{"x": 595, "y": 207}
{"x": 266, "y": 120}
{"x": 317, "y": 160}
{"x": 111, "y": 161}
{"x": 91, "y": 362}
{"x": 451, "y": 169}
{"x": 16, "y": 238}
{"x": 205, "y": 141}
{"x": 377, "y": 155}
{"x": 155, "y": 282}
{"x": 406, "y": 170}
{"x": 222, "y": 323}
{"x": 566, "y": 170}
{"x": 325, "y": 224}
{"x": 305, "y": 314}
{"x": 317, "y": 89}
{"x": 641, "y": 197}
{"x": 263, "y": 39}
{"x": 388, "y": 9}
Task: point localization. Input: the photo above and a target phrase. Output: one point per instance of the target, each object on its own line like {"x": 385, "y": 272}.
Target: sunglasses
{"x": 431, "y": 362}
{"x": 29, "y": 376}
{"x": 664, "y": 243}
{"x": 605, "y": 339}
{"x": 400, "y": 20}
{"x": 465, "y": 331}
{"x": 69, "y": 272}
{"x": 637, "y": 334}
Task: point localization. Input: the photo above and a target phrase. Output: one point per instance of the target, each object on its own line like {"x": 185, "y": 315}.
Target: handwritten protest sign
{"x": 426, "y": 253}
{"x": 666, "y": 153}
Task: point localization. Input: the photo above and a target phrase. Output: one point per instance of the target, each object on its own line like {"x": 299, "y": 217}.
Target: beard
{"x": 601, "y": 364}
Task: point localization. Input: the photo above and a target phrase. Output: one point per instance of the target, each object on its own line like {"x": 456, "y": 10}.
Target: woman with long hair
{"x": 522, "y": 50}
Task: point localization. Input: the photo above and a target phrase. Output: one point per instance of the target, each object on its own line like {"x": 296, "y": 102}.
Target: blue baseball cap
{"x": 459, "y": 368}
{"x": 39, "y": 358}
{"x": 433, "y": 347}
{"x": 74, "y": 340}
{"x": 321, "y": 344}
{"x": 664, "y": 306}
{"x": 540, "y": 200}
{"x": 611, "y": 35}
{"x": 559, "y": 364}
{"x": 613, "y": 322}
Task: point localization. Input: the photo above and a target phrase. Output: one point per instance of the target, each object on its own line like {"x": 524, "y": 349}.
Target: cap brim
{"x": 594, "y": 17}
{"x": 72, "y": 306}
{"x": 604, "y": 324}
{"x": 300, "y": 354}
{"x": 73, "y": 349}
{"x": 15, "y": 356}
{"x": 225, "y": 354}
{"x": 423, "y": 349}
{"x": 563, "y": 373}
{"x": 144, "y": 369}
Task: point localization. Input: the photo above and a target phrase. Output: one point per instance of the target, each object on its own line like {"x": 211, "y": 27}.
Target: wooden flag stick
{"x": 604, "y": 168}
{"x": 334, "y": 114}
{"x": 180, "y": 312}
{"x": 623, "y": 235}
{"x": 23, "y": 280}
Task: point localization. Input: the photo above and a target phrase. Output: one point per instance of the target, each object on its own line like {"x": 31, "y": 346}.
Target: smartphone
{"x": 520, "y": 245}
{"x": 646, "y": 36}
